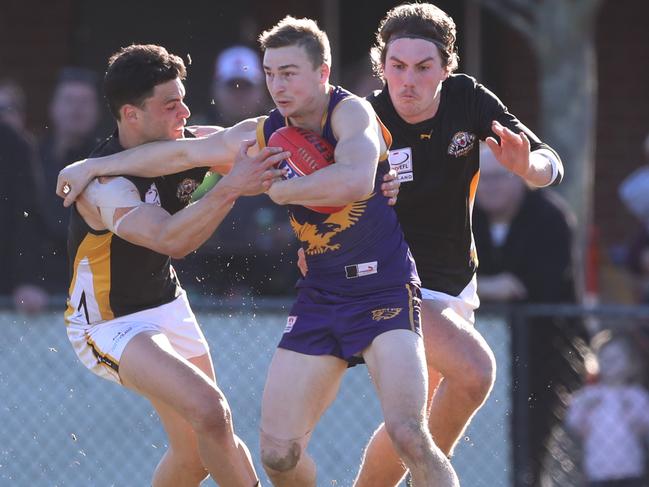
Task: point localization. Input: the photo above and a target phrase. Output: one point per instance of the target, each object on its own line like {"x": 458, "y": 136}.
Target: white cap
{"x": 238, "y": 62}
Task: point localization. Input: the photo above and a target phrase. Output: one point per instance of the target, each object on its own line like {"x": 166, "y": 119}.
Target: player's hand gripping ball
{"x": 309, "y": 153}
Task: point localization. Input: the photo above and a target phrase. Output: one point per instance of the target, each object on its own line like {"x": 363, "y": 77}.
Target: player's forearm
{"x": 331, "y": 186}
{"x": 148, "y": 160}
{"x": 545, "y": 169}
{"x": 187, "y": 230}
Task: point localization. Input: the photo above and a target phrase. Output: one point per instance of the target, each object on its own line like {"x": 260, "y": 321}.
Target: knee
{"x": 478, "y": 378}
{"x": 408, "y": 435}
{"x": 279, "y": 456}
{"x": 209, "y": 413}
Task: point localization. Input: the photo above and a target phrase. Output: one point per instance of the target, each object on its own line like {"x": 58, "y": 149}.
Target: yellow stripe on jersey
{"x": 387, "y": 137}
{"x": 90, "y": 287}
{"x": 473, "y": 188}
{"x": 261, "y": 140}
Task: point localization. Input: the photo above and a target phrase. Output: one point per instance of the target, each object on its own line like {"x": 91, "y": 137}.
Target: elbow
{"x": 179, "y": 254}
{"x": 174, "y": 249}
{"x": 357, "y": 190}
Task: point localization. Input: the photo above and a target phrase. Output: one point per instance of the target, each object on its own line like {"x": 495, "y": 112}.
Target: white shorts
{"x": 463, "y": 304}
{"x": 100, "y": 346}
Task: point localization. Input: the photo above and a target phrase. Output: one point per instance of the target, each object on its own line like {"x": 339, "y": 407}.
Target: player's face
{"x": 292, "y": 81}
{"x": 414, "y": 73}
{"x": 164, "y": 115}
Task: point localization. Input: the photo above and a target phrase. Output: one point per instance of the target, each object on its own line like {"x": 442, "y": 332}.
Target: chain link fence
{"x": 63, "y": 426}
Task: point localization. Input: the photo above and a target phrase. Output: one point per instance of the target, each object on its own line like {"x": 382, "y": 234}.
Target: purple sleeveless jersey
{"x": 359, "y": 249}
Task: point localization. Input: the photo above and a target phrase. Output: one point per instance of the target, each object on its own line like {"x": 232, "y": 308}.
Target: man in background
{"x": 524, "y": 240}
{"x": 253, "y": 251}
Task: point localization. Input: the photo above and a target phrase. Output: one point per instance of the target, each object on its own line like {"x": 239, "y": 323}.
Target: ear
{"x": 129, "y": 113}
{"x": 325, "y": 71}
{"x": 447, "y": 73}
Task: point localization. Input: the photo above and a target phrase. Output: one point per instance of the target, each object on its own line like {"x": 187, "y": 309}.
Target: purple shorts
{"x": 324, "y": 323}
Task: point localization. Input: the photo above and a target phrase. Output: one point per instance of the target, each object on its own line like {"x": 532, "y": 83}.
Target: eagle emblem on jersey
{"x": 461, "y": 144}
{"x": 318, "y": 236}
{"x": 385, "y": 313}
{"x": 185, "y": 190}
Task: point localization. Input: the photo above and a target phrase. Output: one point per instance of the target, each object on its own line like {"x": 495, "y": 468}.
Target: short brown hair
{"x": 417, "y": 20}
{"x": 134, "y": 71}
{"x": 299, "y": 32}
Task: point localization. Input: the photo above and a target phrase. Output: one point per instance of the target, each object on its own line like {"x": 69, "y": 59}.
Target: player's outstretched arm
{"x": 157, "y": 159}
{"x": 352, "y": 176}
{"x": 538, "y": 168}
{"x": 183, "y": 232}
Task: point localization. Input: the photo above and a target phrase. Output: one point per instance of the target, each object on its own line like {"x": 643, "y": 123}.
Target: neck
{"x": 128, "y": 138}
{"x": 311, "y": 118}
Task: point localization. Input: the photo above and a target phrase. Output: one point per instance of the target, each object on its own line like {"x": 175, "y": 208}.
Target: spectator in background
{"x": 254, "y": 248}
{"x": 238, "y": 87}
{"x": 18, "y": 246}
{"x": 634, "y": 192}
{"x": 12, "y": 105}
{"x": 71, "y": 135}
{"x": 524, "y": 240}
{"x": 611, "y": 417}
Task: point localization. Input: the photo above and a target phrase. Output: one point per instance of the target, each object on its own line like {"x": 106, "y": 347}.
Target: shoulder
{"x": 352, "y": 115}
{"x": 467, "y": 87}
{"x": 353, "y": 106}
{"x": 460, "y": 83}
{"x": 112, "y": 192}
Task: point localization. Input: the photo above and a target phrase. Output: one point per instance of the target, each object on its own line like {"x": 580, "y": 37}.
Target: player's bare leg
{"x": 181, "y": 465}
{"x": 381, "y": 464}
{"x": 454, "y": 348}
{"x": 397, "y": 364}
{"x": 150, "y": 366}
{"x": 298, "y": 390}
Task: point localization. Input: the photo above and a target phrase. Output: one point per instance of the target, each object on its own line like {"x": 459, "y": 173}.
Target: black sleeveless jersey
{"x": 110, "y": 277}
{"x": 438, "y": 162}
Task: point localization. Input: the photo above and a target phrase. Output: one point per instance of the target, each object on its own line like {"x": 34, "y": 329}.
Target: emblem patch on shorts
{"x": 461, "y": 144}
{"x": 385, "y": 313}
{"x": 401, "y": 161}
{"x": 290, "y": 321}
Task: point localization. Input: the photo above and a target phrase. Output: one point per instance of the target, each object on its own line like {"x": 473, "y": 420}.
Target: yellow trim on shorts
{"x": 411, "y": 308}
{"x": 111, "y": 362}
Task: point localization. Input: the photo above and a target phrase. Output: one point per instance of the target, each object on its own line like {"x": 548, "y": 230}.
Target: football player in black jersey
{"x": 437, "y": 119}
{"x": 128, "y": 319}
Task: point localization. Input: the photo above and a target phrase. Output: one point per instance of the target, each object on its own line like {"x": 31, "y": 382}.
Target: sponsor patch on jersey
{"x": 290, "y": 321}
{"x": 461, "y": 144}
{"x": 185, "y": 189}
{"x": 385, "y": 313}
{"x": 152, "y": 196}
{"x": 360, "y": 270}
{"x": 401, "y": 161}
